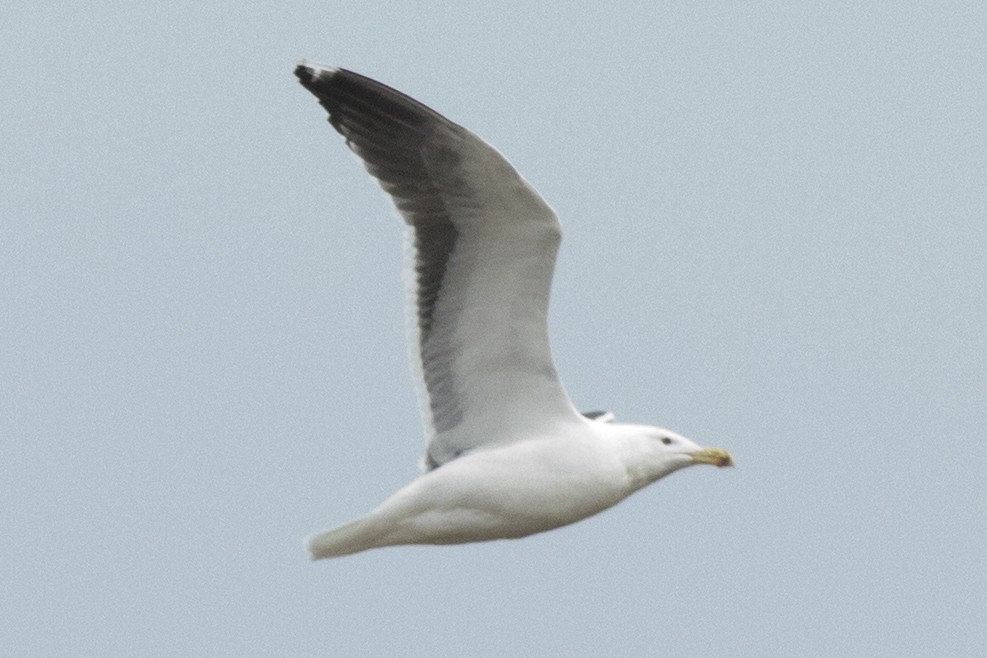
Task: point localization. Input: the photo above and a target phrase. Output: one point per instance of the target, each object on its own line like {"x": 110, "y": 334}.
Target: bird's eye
{"x": 666, "y": 440}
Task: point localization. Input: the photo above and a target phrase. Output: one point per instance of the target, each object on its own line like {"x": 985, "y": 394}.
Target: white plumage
{"x": 508, "y": 454}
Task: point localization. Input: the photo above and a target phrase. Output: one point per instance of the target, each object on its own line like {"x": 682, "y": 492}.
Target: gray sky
{"x": 775, "y": 243}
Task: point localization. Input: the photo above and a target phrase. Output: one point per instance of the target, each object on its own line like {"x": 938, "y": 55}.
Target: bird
{"x": 508, "y": 453}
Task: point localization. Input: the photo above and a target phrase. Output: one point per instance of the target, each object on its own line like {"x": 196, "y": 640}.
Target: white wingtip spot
{"x": 317, "y": 69}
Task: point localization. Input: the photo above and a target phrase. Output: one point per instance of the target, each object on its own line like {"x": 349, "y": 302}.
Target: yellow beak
{"x": 715, "y": 456}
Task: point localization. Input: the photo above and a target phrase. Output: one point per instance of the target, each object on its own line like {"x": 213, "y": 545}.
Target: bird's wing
{"x": 483, "y": 246}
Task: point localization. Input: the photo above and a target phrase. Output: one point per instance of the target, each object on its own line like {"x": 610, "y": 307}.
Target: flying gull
{"x": 508, "y": 453}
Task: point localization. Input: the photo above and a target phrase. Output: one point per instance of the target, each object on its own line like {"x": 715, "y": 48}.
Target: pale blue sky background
{"x": 775, "y": 242}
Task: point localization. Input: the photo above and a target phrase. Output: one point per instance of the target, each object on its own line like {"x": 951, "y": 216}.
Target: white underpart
{"x": 510, "y": 455}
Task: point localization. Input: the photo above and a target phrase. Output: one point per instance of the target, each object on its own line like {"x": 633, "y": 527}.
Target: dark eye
{"x": 666, "y": 440}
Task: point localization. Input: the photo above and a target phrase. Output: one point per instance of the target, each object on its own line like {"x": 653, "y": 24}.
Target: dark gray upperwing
{"x": 484, "y": 250}
{"x": 388, "y": 131}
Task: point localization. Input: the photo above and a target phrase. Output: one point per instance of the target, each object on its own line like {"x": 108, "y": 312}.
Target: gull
{"x": 508, "y": 454}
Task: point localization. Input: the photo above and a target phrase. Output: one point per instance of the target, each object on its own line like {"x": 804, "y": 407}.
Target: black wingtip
{"x": 304, "y": 74}
{"x": 309, "y": 75}
{"x": 341, "y": 91}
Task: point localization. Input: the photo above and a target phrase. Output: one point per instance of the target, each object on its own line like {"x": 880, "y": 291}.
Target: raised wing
{"x": 483, "y": 251}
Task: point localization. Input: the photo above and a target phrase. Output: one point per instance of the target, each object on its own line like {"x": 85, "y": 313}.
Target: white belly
{"x": 506, "y": 492}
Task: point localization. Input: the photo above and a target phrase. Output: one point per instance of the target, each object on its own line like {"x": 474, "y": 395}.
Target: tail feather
{"x": 354, "y": 537}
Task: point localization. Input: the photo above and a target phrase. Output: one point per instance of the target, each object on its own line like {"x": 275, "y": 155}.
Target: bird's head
{"x": 654, "y": 452}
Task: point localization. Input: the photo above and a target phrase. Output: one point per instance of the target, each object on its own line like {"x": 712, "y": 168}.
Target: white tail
{"x": 351, "y": 538}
